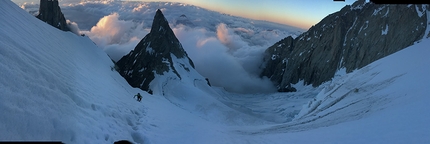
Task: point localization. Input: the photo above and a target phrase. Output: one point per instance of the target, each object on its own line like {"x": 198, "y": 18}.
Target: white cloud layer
{"x": 117, "y": 37}
{"x": 73, "y": 27}
{"x": 226, "y": 49}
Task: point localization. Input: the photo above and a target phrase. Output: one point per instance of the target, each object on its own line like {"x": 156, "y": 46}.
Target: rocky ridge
{"x": 158, "y": 53}
{"x": 349, "y": 39}
{"x": 50, "y": 12}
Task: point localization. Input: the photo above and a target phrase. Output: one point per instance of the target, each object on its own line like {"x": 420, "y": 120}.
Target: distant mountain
{"x": 50, "y": 13}
{"x": 158, "y": 53}
{"x": 346, "y": 40}
{"x": 183, "y": 19}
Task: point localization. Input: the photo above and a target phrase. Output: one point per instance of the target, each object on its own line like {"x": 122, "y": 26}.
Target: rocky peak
{"x": 160, "y": 24}
{"x": 348, "y": 39}
{"x": 157, "y": 54}
{"x": 50, "y": 12}
{"x": 183, "y": 19}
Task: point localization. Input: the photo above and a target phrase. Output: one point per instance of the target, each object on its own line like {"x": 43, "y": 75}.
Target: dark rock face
{"x": 153, "y": 55}
{"x": 351, "y": 38}
{"x": 50, "y": 13}
{"x": 275, "y": 62}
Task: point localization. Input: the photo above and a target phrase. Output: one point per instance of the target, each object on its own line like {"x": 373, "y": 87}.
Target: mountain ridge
{"x": 154, "y": 55}
{"x": 351, "y": 38}
{"x": 50, "y": 12}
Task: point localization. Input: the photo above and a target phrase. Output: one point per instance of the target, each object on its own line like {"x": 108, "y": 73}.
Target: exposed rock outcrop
{"x": 50, "y": 13}
{"x": 350, "y": 38}
{"x": 159, "y": 52}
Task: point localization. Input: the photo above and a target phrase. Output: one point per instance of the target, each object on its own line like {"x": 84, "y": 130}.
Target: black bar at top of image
{"x": 400, "y": 1}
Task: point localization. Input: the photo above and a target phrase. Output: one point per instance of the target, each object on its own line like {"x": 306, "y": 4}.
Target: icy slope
{"x": 401, "y": 76}
{"x": 384, "y": 102}
{"x": 55, "y": 85}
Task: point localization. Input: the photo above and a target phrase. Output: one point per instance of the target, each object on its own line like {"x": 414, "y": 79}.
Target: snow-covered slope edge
{"x": 55, "y": 85}
{"x": 383, "y": 102}
{"x": 401, "y": 76}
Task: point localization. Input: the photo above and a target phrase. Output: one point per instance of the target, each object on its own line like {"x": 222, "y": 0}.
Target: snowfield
{"x": 59, "y": 86}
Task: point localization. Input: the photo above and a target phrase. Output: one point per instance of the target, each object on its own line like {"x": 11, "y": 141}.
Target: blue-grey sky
{"x": 299, "y": 13}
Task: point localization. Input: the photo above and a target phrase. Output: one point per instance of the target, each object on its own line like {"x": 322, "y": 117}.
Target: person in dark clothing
{"x": 139, "y": 97}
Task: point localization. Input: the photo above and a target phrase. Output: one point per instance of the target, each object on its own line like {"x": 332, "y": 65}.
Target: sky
{"x": 298, "y": 13}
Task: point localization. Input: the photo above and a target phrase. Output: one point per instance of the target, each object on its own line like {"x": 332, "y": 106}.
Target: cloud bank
{"x": 226, "y": 49}
{"x": 117, "y": 37}
{"x": 234, "y": 68}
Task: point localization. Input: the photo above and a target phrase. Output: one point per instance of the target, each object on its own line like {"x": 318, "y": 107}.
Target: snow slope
{"x": 55, "y": 85}
{"x": 384, "y": 102}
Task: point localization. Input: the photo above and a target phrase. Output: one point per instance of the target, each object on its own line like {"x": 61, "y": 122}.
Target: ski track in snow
{"x": 55, "y": 85}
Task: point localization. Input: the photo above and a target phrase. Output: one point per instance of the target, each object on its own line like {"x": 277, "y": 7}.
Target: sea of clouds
{"x": 226, "y": 49}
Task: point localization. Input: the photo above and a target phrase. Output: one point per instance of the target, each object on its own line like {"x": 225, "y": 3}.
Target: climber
{"x": 139, "y": 97}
